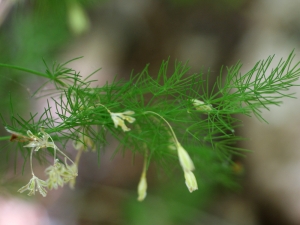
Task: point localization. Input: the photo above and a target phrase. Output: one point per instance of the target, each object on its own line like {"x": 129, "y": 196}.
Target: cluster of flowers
{"x": 184, "y": 158}
{"x": 60, "y": 174}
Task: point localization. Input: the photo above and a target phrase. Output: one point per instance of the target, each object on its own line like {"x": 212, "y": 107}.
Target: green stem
{"x": 104, "y": 107}
{"x": 145, "y": 164}
{"x": 174, "y": 135}
{"x": 31, "y": 153}
{"x": 24, "y": 70}
{"x": 61, "y": 152}
{"x": 5, "y": 138}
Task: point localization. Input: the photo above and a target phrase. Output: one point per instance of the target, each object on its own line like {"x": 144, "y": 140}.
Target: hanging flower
{"x": 38, "y": 143}
{"x": 184, "y": 158}
{"x": 35, "y": 184}
{"x": 54, "y": 172}
{"x": 119, "y": 119}
{"x": 190, "y": 180}
{"x": 69, "y": 172}
{"x": 187, "y": 166}
{"x": 142, "y": 188}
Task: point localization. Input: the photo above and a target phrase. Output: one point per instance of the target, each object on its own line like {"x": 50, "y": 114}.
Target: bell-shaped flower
{"x": 35, "y": 184}
{"x": 190, "y": 181}
{"x": 142, "y": 187}
{"x": 119, "y": 119}
{"x": 184, "y": 158}
{"x": 187, "y": 166}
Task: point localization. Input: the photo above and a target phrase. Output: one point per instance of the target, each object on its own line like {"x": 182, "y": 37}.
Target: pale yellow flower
{"x": 38, "y": 143}
{"x": 187, "y": 166}
{"x": 184, "y": 158}
{"x": 142, "y": 187}
{"x": 35, "y": 184}
{"x": 54, "y": 172}
{"x": 190, "y": 181}
{"x": 201, "y": 106}
{"x": 70, "y": 172}
{"x": 119, "y": 119}
{"x": 60, "y": 174}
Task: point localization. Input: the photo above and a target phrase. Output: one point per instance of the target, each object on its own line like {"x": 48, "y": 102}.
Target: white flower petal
{"x": 184, "y": 159}
{"x": 142, "y": 188}
{"x": 190, "y": 181}
{"x": 129, "y": 119}
{"x": 128, "y": 112}
{"x": 201, "y": 106}
{"x": 118, "y": 119}
{"x": 35, "y": 184}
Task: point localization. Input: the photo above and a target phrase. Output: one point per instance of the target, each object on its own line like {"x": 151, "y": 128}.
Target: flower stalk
{"x": 142, "y": 186}
{"x": 184, "y": 158}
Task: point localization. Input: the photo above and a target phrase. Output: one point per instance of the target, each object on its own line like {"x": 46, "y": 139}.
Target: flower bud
{"x": 190, "y": 181}
{"x": 201, "y": 106}
{"x": 142, "y": 188}
{"x": 184, "y": 159}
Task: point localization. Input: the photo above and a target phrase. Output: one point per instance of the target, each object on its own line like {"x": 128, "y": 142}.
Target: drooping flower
{"x": 187, "y": 166}
{"x": 142, "y": 187}
{"x": 38, "y": 143}
{"x": 184, "y": 158}
{"x": 54, "y": 172}
{"x": 35, "y": 184}
{"x": 59, "y": 174}
{"x": 190, "y": 180}
{"x": 119, "y": 119}
{"x": 69, "y": 172}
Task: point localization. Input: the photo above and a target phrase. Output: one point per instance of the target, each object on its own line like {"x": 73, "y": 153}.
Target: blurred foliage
{"x": 33, "y": 30}
{"x": 221, "y": 5}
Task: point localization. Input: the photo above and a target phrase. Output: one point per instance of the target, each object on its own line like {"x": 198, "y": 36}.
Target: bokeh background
{"x": 121, "y": 36}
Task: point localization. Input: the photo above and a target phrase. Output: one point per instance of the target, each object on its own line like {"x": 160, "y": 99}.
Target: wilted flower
{"x": 190, "y": 180}
{"x": 35, "y": 184}
{"x": 38, "y": 143}
{"x": 119, "y": 119}
{"x": 201, "y": 106}
{"x": 59, "y": 174}
{"x": 55, "y": 179}
{"x": 69, "y": 172}
{"x": 18, "y": 137}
